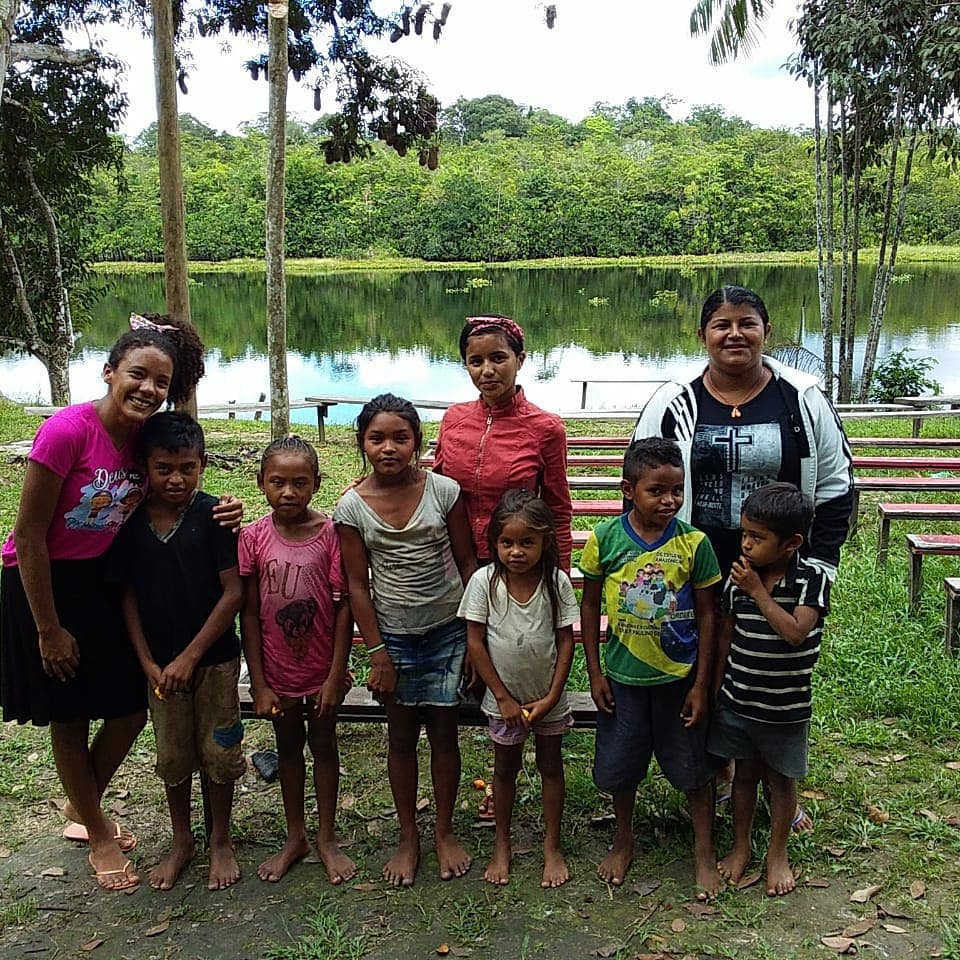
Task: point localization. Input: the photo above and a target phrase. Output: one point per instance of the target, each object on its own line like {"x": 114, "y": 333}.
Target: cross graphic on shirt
{"x": 732, "y": 441}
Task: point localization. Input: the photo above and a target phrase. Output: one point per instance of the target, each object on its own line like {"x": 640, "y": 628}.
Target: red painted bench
{"x": 909, "y": 511}
{"x": 923, "y": 545}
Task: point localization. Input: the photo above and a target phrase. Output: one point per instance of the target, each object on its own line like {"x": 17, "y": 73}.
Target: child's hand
{"x": 330, "y": 696}
{"x": 745, "y": 577}
{"x": 512, "y": 712}
{"x": 59, "y": 653}
{"x": 382, "y": 680}
{"x": 694, "y": 708}
{"x": 602, "y": 694}
{"x": 536, "y": 710}
{"x": 229, "y": 512}
{"x": 153, "y": 674}
{"x": 265, "y": 702}
{"x": 176, "y": 675}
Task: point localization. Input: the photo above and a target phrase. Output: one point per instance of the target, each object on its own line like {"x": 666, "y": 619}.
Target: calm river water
{"x": 358, "y": 334}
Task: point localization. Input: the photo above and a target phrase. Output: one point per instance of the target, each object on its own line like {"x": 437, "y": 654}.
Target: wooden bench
{"x": 951, "y": 632}
{"x": 909, "y": 511}
{"x": 906, "y": 443}
{"x": 899, "y": 485}
{"x": 323, "y": 405}
{"x": 922, "y": 545}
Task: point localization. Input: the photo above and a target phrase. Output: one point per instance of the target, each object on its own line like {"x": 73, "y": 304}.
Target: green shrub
{"x": 901, "y": 376}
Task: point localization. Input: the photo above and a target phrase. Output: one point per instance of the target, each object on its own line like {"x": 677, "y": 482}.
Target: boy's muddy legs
{"x": 702, "y": 812}
{"x": 783, "y": 803}
{"x": 506, "y": 766}
{"x": 291, "y": 737}
{"x": 326, "y": 781}
{"x": 75, "y": 768}
{"x": 165, "y": 874}
{"x": 554, "y": 789}
{"x": 443, "y": 734}
{"x": 403, "y": 731}
{"x": 744, "y": 802}
{"x": 613, "y": 867}
{"x": 224, "y": 869}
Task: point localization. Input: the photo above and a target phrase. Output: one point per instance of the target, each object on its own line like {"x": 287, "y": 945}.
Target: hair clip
{"x": 138, "y": 322}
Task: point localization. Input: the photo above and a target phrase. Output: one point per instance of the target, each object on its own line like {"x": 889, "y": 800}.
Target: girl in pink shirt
{"x": 65, "y": 658}
{"x": 296, "y": 627}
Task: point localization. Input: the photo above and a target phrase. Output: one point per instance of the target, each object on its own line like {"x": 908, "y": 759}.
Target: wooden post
{"x": 951, "y": 636}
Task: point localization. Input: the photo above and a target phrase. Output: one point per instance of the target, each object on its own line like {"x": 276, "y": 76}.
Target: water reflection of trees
{"x": 334, "y": 315}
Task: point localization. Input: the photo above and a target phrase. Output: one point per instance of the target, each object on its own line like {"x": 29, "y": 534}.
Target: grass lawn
{"x": 884, "y": 791}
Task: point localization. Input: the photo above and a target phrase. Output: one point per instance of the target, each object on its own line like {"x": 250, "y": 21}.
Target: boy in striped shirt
{"x": 774, "y": 604}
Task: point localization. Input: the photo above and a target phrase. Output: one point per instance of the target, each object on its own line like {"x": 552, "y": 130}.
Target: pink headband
{"x": 511, "y": 328}
{"x": 142, "y": 323}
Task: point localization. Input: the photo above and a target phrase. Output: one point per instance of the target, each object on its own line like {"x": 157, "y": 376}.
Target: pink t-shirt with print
{"x": 101, "y": 486}
{"x": 299, "y": 582}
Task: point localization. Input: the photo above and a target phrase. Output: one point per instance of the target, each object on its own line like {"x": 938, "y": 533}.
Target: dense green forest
{"x": 513, "y": 183}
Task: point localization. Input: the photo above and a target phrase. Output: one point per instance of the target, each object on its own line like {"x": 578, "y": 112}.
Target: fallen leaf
{"x": 422, "y": 804}
{"x": 813, "y": 794}
{"x": 118, "y": 807}
{"x": 645, "y": 887}
{"x": 443, "y": 950}
{"x": 33, "y": 757}
{"x": 839, "y": 944}
{"x": 92, "y": 944}
{"x": 837, "y": 852}
{"x": 678, "y": 926}
{"x": 484, "y": 825}
{"x": 892, "y": 912}
{"x": 122, "y": 794}
{"x": 522, "y": 851}
{"x": 817, "y": 882}
{"x": 952, "y": 764}
{"x": 701, "y": 909}
{"x": 374, "y": 828}
{"x": 53, "y": 872}
{"x": 479, "y": 783}
{"x": 5, "y": 853}
{"x": 899, "y": 757}
{"x": 930, "y": 815}
{"x": 918, "y": 889}
{"x": 749, "y": 880}
{"x": 388, "y": 813}
{"x": 461, "y": 951}
{"x": 364, "y": 887}
{"x": 859, "y": 928}
{"x": 610, "y": 950}
{"x": 159, "y": 928}
{"x": 952, "y": 821}
{"x": 57, "y": 804}
{"x": 876, "y": 814}
{"x": 892, "y": 928}
{"x": 863, "y": 895}
{"x": 347, "y": 801}
{"x": 602, "y": 819}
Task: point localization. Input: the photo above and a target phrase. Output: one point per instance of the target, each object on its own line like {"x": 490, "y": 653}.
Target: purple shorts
{"x": 511, "y": 736}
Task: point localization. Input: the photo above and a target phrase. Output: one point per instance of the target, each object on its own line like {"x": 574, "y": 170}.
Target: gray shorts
{"x": 645, "y": 724}
{"x": 781, "y": 746}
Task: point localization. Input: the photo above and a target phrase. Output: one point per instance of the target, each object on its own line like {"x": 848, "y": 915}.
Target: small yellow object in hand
{"x": 274, "y": 710}
{"x": 525, "y": 712}
{"x": 158, "y": 693}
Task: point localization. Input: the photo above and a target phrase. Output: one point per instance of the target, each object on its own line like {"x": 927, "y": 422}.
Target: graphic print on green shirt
{"x": 648, "y": 595}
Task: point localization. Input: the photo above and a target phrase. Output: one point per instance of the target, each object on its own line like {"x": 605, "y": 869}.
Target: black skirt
{"x": 109, "y": 682}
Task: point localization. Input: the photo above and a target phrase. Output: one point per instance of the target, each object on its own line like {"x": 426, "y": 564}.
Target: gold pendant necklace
{"x": 735, "y": 413}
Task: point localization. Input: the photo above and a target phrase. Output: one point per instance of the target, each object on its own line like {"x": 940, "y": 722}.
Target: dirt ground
{"x": 52, "y": 908}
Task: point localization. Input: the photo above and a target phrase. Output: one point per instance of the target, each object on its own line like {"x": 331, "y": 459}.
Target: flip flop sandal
{"x": 798, "y": 818}
{"x": 128, "y": 881}
{"x": 77, "y": 832}
{"x": 486, "y": 810}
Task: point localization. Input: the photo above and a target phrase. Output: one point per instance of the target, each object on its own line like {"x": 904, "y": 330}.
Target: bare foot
{"x": 780, "y": 878}
{"x": 340, "y": 868}
{"x": 709, "y": 880}
{"x": 555, "y": 872}
{"x": 401, "y": 868}
{"x": 273, "y": 869}
{"x": 731, "y": 867}
{"x": 454, "y": 860}
{"x": 224, "y": 869}
{"x": 166, "y": 873}
{"x": 613, "y": 867}
{"x": 498, "y": 869}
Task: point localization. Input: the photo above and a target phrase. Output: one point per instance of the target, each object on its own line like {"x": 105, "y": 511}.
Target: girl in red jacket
{"x": 501, "y": 441}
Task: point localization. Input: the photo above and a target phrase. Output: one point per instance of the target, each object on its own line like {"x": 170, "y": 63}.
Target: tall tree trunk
{"x": 8, "y": 16}
{"x": 843, "y": 385}
{"x": 276, "y": 274}
{"x": 824, "y": 218}
{"x": 855, "y": 204}
{"x": 171, "y": 174}
{"x": 879, "y": 308}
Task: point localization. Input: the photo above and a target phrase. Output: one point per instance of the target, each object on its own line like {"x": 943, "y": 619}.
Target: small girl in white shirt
{"x": 520, "y": 611}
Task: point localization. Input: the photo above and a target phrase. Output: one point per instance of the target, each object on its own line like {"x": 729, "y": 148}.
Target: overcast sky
{"x": 599, "y": 50}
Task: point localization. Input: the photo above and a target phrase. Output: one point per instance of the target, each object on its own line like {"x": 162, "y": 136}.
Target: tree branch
{"x": 32, "y": 340}
{"x": 52, "y": 54}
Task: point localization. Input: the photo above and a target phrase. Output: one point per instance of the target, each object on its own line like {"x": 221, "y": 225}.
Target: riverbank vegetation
{"x": 514, "y": 183}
